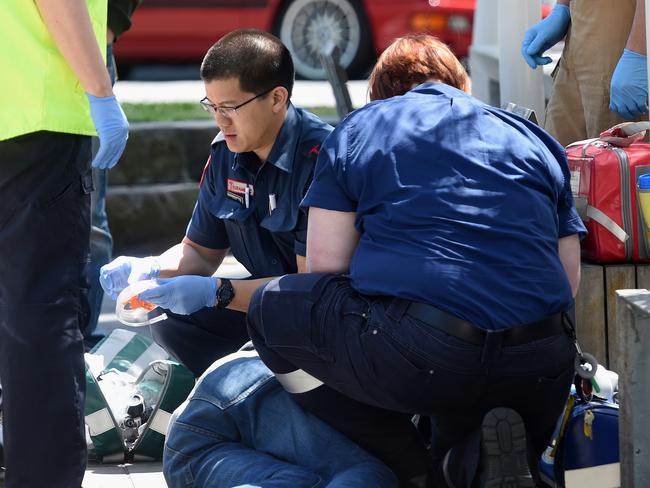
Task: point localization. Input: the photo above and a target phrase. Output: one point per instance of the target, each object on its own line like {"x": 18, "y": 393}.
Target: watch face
{"x": 225, "y": 293}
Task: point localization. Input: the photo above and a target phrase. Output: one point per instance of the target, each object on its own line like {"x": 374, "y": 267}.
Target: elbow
{"x": 320, "y": 265}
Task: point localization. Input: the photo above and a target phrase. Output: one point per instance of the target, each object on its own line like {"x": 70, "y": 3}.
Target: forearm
{"x": 636, "y": 41}
{"x": 244, "y": 290}
{"x": 69, "y": 25}
{"x": 569, "y": 251}
{"x": 187, "y": 258}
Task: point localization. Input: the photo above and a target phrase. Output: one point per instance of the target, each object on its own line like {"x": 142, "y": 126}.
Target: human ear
{"x": 280, "y": 98}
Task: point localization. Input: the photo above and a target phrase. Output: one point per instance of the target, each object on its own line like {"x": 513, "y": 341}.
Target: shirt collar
{"x": 436, "y": 87}
{"x": 284, "y": 148}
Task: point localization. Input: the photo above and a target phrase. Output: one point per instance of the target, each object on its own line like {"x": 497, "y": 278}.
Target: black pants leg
{"x": 197, "y": 340}
{"x": 45, "y": 186}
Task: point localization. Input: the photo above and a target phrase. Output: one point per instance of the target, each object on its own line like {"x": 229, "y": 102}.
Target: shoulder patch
{"x": 310, "y": 148}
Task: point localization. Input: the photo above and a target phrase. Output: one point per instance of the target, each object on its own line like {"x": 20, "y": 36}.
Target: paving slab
{"x": 137, "y": 475}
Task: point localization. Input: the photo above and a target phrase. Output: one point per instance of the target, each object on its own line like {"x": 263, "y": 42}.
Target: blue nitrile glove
{"x": 629, "y": 89}
{"x": 544, "y": 35}
{"x": 126, "y": 270}
{"x": 112, "y": 129}
{"x": 183, "y": 294}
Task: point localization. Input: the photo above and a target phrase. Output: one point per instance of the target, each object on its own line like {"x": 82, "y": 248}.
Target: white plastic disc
{"x": 134, "y": 312}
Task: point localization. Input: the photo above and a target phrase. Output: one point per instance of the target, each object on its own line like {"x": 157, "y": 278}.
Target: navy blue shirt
{"x": 235, "y": 204}
{"x": 459, "y": 205}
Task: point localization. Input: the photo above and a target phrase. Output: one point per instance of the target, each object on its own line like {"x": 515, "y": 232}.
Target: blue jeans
{"x": 240, "y": 428}
{"x": 101, "y": 241}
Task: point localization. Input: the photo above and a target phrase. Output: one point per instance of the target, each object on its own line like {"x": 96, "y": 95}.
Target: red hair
{"x": 412, "y": 60}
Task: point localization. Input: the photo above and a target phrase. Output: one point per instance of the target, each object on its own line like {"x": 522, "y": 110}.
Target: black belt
{"x": 467, "y": 332}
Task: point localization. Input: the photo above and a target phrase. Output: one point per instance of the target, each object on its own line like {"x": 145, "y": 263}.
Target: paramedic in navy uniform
{"x": 260, "y": 167}
{"x": 443, "y": 250}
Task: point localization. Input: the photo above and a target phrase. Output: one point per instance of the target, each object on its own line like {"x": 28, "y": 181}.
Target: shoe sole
{"x": 504, "y": 451}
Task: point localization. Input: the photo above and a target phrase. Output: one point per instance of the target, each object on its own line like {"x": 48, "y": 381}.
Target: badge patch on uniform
{"x": 236, "y": 197}
{"x": 240, "y": 187}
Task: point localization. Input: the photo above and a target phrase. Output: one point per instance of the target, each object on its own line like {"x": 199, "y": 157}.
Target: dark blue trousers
{"x": 45, "y": 185}
{"x": 199, "y": 339}
{"x": 379, "y": 365}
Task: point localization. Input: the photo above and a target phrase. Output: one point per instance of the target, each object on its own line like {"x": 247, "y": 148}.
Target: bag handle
{"x": 621, "y": 135}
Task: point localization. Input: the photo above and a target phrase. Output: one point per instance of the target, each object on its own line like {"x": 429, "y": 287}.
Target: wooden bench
{"x": 596, "y": 323}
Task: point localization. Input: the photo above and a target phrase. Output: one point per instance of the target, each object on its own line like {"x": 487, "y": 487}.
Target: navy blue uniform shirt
{"x": 235, "y": 207}
{"x": 459, "y": 205}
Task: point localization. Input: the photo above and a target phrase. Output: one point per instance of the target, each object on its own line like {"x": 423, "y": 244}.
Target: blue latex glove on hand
{"x": 126, "y": 270}
{"x": 112, "y": 129}
{"x": 629, "y": 88}
{"x": 183, "y": 294}
{"x": 544, "y": 35}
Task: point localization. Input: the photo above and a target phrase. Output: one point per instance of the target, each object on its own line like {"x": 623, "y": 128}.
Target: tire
{"x": 306, "y": 26}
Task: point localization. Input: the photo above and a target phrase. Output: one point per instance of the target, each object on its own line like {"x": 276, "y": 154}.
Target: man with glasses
{"x": 260, "y": 166}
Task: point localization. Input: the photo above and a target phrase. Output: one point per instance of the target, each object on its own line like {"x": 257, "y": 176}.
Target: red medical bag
{"x": 604, "y": 174}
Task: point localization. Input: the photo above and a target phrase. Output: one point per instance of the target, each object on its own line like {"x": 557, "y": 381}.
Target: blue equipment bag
{"x": 584, "y": 450}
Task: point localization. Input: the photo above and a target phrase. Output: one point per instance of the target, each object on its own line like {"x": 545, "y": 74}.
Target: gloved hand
{"x": 544, "y": 35}
{"x": 629, "y": 88}
{"x": 183, "y": 294}
{"x": 125, "y": 270}
{"x": 112, "y": 128}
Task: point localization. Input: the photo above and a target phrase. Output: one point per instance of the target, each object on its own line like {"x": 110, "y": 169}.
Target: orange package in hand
{"x": 134, "y": 302}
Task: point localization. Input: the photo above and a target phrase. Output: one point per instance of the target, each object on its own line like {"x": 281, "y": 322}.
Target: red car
{"x": 183, "y": 30}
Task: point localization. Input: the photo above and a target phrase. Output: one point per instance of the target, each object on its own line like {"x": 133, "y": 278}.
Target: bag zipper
{"x": 626, "y": 202}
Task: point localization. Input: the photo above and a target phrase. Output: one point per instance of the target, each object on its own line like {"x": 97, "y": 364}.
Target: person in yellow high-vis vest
{"x": 56, "y": 93}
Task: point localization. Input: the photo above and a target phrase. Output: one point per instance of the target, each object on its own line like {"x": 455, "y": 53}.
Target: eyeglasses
{"x": 228, "y": 112}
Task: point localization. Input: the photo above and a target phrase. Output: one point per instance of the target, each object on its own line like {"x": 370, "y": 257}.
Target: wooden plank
{"x": 643, "y": 276}
{"x": 590, "y": 311}
{"x": 617, "y": 277}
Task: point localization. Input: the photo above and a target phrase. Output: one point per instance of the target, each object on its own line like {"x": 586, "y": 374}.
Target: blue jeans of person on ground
{"x": 372, "y": 364}
{"x": 239, "y": 428}
{"x": 101, "y": 241}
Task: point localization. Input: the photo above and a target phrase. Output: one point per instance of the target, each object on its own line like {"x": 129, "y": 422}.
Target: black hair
{"x": 256, "y": 58}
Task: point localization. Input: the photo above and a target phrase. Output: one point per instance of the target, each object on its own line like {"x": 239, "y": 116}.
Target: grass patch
{"x": 166, "y": 112}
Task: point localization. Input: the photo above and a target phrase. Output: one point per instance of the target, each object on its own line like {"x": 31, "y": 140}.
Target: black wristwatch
{"x": 225, "y": 293}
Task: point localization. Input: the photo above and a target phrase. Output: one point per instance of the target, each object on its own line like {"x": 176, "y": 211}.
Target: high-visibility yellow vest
{"x": 38, "y": 90}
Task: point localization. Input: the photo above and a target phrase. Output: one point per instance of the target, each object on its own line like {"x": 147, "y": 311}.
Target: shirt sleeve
{"x": 569, "y": 221}
{"x": 300, "y": 244}
{"x": 329, "y": 189}
{"x": 204, "y": 228}
{"x": 119, "y": 15}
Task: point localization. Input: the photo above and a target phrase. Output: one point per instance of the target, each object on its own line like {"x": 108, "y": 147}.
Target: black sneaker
{"x": 504, "y": 462}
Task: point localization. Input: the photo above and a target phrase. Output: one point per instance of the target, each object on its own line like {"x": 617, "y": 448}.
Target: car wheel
{"x": 306, "y": 26}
